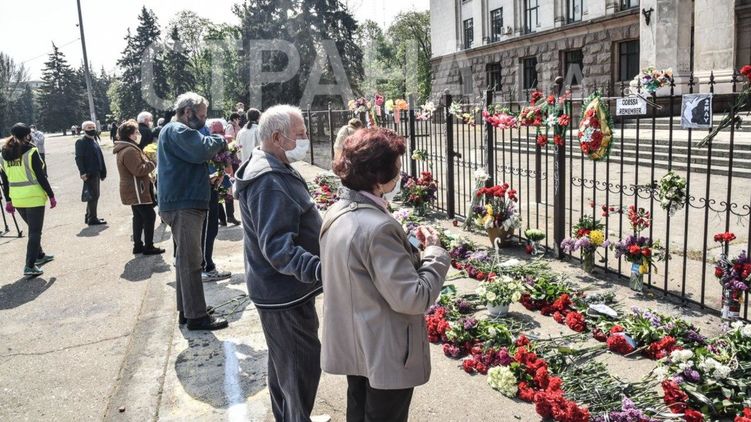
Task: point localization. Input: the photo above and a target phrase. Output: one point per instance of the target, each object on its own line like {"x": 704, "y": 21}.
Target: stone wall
{"x": 598, "y": 41}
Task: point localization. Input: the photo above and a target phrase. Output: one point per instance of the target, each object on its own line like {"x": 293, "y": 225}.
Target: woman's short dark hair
{"x": 234, "y": 116}
{"x": 253, "y": 115}
{"x": 369, "y": 158}
{"x": 126, "y": 129}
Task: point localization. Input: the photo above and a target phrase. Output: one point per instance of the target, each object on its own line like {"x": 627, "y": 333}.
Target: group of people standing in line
{"x": 377, "y": 284}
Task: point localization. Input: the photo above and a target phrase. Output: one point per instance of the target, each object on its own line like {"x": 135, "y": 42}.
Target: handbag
{"x": 86, "y": 195}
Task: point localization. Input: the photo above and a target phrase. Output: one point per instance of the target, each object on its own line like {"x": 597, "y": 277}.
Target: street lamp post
{"x": 92, "y": 111}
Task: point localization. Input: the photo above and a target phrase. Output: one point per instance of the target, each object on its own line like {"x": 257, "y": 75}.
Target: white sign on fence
{"x": 696, "y": 111}
{"x": 630, "y": 106}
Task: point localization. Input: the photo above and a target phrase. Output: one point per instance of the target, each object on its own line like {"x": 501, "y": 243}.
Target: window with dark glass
{"x": 531, "y": 9}
{"x": 465, "y": 80}
{"x": 496, "y": 24}
{"x": 469, "y": 33}
{"x": 628, "y": 60}
{"x": 574, "y": 10}
{"x": 573, "y": 65}
{"x": 628, "y": 4}
{"x": 493, "y": 72}
{"x": 529, "y": 71}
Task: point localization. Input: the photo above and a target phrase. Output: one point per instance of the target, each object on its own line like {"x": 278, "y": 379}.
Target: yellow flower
{"x": 644, "y": 267}
{"x": 597, "y": 237}
{"x": 489, "y": 209}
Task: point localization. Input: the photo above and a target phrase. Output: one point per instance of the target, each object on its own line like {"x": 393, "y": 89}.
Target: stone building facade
{"x": 516, "y": 45}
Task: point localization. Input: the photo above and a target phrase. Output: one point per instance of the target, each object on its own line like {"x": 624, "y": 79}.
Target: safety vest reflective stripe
{"x": 30, "y": 177}
{"x": 25, "y": 190}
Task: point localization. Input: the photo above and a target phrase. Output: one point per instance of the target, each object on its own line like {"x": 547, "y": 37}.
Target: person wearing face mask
{"x": 136, "y": 187}
{"x": 282, "y": 268}
{"x": 26, "y": 189}
{"x": 184, "y": 191}
{"x": 377, "y": 286}
{"x": 92, "y": 169}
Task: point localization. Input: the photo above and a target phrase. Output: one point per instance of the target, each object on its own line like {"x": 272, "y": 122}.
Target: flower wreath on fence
{"x": 595, "y": 128}
{"x": 672, "y": 193}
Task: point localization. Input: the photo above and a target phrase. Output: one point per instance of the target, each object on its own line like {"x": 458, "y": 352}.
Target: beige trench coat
{"x": 376, "y": 291}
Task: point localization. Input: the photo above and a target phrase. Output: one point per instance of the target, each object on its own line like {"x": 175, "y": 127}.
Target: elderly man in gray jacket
{"x": 282, "y": 268}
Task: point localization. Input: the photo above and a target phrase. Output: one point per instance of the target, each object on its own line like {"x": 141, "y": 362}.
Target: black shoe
{"x": 223, "y": 223}
{"x": 182, "y": 320}
{"x": 152, "y": 250}
{"x": 233, "y": 221}
{"x": 97, "y": 222}
{"x": 137, "y": 248}
{"x": 207, "y": 323}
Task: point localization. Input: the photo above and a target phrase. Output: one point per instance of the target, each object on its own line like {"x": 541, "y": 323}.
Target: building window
{"x": 493, "y": 74}
{"x": 529, "y": 71}
{"x": 531, "y": 7}
{"x": 469, "y": 33}
{"x": 574, "y": 10}
{"x": 628, "y": 60}
{"x": 496, "y": 24}
{"x": 465, "y": 80}
{"x": 629, "y": 4}
{"x": 573, "y": 65}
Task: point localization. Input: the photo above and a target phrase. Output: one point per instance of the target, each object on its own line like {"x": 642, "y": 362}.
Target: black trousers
{"x": 294, "y": 360}
{"x": 34, "y": 218}
{"x": 210, "y": 230}
{"x": 144, "y": 218}
{"x": 92, "y": 183}
{"x": 367, "y": 404}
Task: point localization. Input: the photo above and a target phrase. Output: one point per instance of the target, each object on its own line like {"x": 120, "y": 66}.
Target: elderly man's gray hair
{"x": 143, "y": 116}
{"x": 189, "y": 100}
{"x": 276, "y": 119}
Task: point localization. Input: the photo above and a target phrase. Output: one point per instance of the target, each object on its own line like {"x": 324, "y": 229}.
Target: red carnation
{"x": 480, "y": 276}
{"x": 575, "y": 321}
{"x": 595, "y": 124}
{"x": 558, "y": 317}
{"x": 646, "y": 251}
{"x": 691, "y": 415}
{"x": 674, "y": 397}
{"x": 551, "y": 99}
{"x": 634, "y": 250}
{"x": 617, "y": 329}
{"x": 536, "y": 95}
{"x": 746, "y": 71}
{"x": 521, "y": 341}
{"x": 745, "y": 417}
{"x": 525, "y": 392}
{"x": 585, "y": 147}
{"x": 481, "y": 368}
{"x": 661, "y": 348}
{"x": 562, "y": 302}
{"x": 559, "y": 140}
{"x": 564, "y": 120}
{"x": 619, "y": 344}
{"x": 469, "y": 366}
{"x": 541, "y": 377}
{"x": 599, "y": 335}
{"x": 547, "y": 310}
{"x": 542, "y": 140}
{"x": 555, "y": 383}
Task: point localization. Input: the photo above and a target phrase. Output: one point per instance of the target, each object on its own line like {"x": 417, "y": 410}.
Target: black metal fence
{"x": 558, "y": 184}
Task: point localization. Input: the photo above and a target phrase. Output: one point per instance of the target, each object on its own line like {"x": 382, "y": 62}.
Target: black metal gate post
{"x": 332, "y": 136}
{"x": 489, "y": 142}
{"x": 559, "y": 189}
{"x": 312, "y": 152}
{"x": 412, "y": 138}
{"x": 450, "y": 188}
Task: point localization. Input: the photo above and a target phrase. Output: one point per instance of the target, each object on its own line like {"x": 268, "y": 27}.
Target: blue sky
{"x": 30, "y": 26}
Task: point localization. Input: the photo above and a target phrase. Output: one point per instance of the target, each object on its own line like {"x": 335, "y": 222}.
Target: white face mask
{"x": 300, "y": 151}
{"x": 389, "y": 196}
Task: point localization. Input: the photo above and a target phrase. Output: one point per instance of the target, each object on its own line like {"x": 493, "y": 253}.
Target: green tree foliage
{"x": 12, "y": 76}
{"x": 130, "y": 96}
{"x": 60, "y": 94}
{"x": 304, "y": 23}
{"x": 180, "y": 76}
{"x": 23, "y": 107}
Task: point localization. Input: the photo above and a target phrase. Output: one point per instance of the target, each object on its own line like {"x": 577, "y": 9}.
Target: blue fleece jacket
{"x": 281, "y": 225}
{"x": 183, "y": 176}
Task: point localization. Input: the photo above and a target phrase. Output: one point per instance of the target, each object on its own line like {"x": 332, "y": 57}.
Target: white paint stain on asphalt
{"x": 237, "y": 410}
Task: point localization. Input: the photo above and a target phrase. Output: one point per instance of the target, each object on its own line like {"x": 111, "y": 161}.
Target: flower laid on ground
{"x": 502, "y": 378}
{"x": 534, "y": 236}
{"x": 639, "y": 250}
{"x": 595, "y": 128}
{"x": 734, "y": 275}
{"x": 672, "y": 193}
{"x": 497, "y": 208}
{"x": 500, "y": 291}
{"x": 324, "y": 190}
{"x": 419, "y": 193}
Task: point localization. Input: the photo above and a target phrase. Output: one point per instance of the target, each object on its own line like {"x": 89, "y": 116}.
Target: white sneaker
{"x": 320, "y": 418}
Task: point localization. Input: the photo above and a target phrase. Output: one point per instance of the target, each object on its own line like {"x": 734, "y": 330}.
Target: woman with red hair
{"x": 377, "y": 287}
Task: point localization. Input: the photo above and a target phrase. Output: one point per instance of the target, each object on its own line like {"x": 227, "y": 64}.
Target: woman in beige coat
{"x": 136, "y": 187}
{"x": 377, "y": 288}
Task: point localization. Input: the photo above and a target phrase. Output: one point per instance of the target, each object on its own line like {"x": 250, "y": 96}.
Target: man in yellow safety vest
{"x": 26, "y": 188}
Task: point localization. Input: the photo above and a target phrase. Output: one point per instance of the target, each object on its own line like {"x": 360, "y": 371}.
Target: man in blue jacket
{"x": 183, "y": 191}
{"x": 90, "y": 162}
{"x": 282, "y": 267}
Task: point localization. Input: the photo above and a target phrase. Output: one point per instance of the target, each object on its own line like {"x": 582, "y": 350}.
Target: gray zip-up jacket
{"x": 281, "y": 224}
